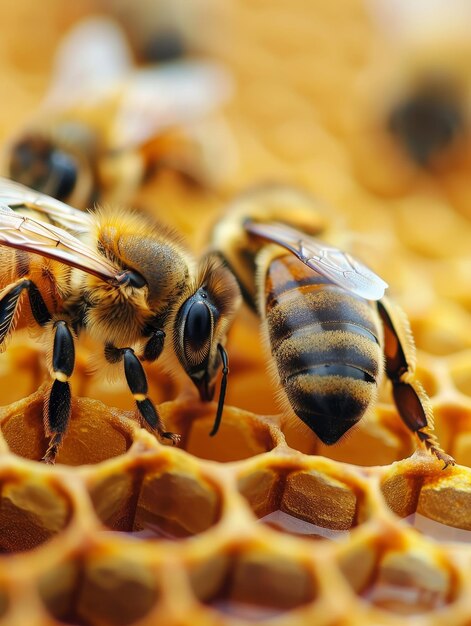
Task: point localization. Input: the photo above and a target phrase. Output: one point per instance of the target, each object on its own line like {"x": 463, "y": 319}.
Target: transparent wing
{"x": 17, "y": 196}
{"x": 176, "y": 94}
{"x": 94, "y": 66}
{"x": 92, "y": 59}
{"x": 37, "y": 237}
{"x": 339, "y": 267}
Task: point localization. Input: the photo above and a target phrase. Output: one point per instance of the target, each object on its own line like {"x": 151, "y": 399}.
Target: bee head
{"x": 201, "y": 325}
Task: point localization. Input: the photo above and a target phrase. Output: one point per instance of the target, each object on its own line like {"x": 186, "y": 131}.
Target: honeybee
{"x": 330, "y": 332}
{"x": 126, "y": 281}
{"x": 106, "y": 126}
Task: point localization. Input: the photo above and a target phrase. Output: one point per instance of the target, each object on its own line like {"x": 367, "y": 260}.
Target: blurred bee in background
{"x": 126, "y": 281}
{"x": 428, "y": 78}
{"x": 329, "y": 330}
{"x": 428, "y": 120}
{"x": 106, "y": 126}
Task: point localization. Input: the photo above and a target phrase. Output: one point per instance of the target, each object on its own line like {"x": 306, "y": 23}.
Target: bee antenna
{"x": 222, "y": 392}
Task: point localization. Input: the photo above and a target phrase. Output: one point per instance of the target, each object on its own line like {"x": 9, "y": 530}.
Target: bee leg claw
{"x": 450, "y": 461}
{"x": 446, "y": 458}
{"x": 50, "y": 457}
{"x": 431, "y": 444}
{"x": 174, "y": 438}
{"x": 53, "y": 449}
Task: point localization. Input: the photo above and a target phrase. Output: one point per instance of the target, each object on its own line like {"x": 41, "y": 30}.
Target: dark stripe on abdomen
{"x": 334, "y": 369}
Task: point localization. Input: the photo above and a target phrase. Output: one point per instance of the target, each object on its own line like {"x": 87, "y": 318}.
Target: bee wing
{"x": 17, "y": 196}
{"x": 37, "y": 237}
{"x": 91, "y": 60}
{"x": 175, "y": 94}
{"x": 339, "y": 267}
{"x": 94, "y": 65}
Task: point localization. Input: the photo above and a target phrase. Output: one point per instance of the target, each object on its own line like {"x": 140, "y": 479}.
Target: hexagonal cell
{"x": 409, "y": 583}
{"x": 32, "y": 511}
{"x": 100, "y": 588}
{"x": 252, "y": 584}
{"x": 436, "y": 505}
{"x": 409, "y": 578}
{"x": 307, "y": 503}
{"x": 96, "y": 432}
{"x": 155, "y": 500}
{"x": 240, "y": 436}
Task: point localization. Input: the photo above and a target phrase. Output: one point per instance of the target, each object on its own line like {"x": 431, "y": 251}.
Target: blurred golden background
{"x": 367, "y": 105}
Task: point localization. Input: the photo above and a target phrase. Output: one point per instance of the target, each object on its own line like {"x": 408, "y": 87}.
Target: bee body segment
{"x": 326, "y": 344}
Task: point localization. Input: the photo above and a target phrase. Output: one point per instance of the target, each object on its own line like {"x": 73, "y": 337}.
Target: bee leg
{"x": 154, "y": 346}
{"x": 409, "y": 396}
{"x": 10, "y": 306}
{"x": 137, "y": 383}
{"x": 57, "y": 408}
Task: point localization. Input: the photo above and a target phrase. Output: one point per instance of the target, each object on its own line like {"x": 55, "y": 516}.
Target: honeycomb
{"x": 263, "y": 523}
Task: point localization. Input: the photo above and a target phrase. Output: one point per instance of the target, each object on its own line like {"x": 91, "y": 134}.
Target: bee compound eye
{"x": 198, "y": 326}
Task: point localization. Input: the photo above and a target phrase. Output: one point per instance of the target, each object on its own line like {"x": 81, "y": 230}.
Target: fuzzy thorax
{"x": 116, "y": 314}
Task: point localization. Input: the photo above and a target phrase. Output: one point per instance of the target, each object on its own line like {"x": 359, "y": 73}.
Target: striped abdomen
{"x": 326, "y": 346}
